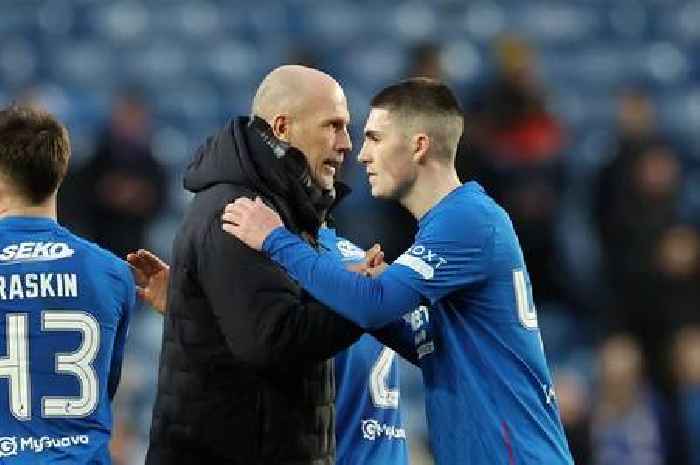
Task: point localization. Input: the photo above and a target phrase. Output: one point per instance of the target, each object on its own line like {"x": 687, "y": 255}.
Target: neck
{"x": 15, "y": 207}
{"x": 431, "y": 186}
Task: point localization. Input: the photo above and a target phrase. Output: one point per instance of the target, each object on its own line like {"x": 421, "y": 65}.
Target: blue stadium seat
{"x": 56, "y": 18}
{"x": 172, "y": 147}
{"x": 373, "y": 64}
{"x": 679, "y": 109}
{"x": 679, "y": 23}
{"x": 85, "y": 62}
{"x": 231, "y": 61}
{"x": 666, "y": 63}
{"x": 483, "y": 21}
{"x": 334, "y": 23}
{"x": 461, "y": 61}
{"x": 123, "y": 21}
{"x": 413, "y": 21}
{"x": 159, "y": 62}
{"x": 18, "y": 62}
{"x": 17, "y": 17}
{"x": 200, "y": 21}
{"x": 556, "y": 22}
{"x": 627, "y": 20}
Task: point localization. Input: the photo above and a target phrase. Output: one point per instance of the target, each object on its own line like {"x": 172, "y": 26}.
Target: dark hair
{"x": 34, "y": 151}
{"x": 418, "y": 95}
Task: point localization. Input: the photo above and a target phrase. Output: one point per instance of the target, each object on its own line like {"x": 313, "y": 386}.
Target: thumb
{"x": 372, "y": 251}
{"x": 378, "y": 259}
{"x": 374, "y": 255}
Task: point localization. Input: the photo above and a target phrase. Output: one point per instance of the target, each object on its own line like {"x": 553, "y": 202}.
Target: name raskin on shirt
{"x": 38, "y": 285}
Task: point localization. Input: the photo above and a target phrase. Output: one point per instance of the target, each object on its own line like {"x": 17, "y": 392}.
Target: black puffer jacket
{"x": 245, "y": 371}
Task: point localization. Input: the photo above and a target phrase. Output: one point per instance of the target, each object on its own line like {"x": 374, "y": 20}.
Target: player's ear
{"x": 420, "y": 144}
{"x": 280, "y": 127}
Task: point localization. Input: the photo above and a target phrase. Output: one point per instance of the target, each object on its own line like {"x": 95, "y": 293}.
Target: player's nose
{"x": 363, "y": 157}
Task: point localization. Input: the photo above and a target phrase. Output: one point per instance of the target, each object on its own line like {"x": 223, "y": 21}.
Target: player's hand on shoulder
{"x": 250, "y": 221}
{"x": 151, "y": 275}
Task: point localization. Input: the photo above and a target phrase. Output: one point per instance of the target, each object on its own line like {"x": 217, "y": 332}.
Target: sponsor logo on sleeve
{"x": 421, "y": 260}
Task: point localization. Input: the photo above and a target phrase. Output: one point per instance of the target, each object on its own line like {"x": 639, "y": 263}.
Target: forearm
{"x": 370, "y": 303}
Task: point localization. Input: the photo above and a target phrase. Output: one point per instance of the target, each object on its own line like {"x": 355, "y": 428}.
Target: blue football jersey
{"x": 64, "y": 310}
{"x": 368, "y": 419}
{"x": 489, "y": 394}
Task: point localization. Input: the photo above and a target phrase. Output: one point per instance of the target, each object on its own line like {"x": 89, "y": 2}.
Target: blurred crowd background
{"x": 583, "y": 121}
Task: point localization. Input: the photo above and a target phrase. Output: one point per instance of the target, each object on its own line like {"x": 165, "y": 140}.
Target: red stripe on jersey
{"x": 506, "y": 440}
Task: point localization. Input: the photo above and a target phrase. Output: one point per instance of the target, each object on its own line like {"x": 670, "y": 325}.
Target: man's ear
{"x": 420, "y": 144}
{"x": 280, "y": 127}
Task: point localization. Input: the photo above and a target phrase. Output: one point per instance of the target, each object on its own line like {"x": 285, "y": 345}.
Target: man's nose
{"x": 344, "y": 143}
{"x": 362, "y": 157}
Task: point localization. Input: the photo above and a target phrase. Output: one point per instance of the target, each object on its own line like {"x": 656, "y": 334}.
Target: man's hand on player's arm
{"x": 250, "y": 221}
{"x": 151, "y": 275}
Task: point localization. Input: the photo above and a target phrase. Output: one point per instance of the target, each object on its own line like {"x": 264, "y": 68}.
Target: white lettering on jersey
{"x": 350, "y": 251}
{"x": 422, "y": 260}
{"x": 418, "y": 320}
{"x": 549, "y": 394}
{"x": 418, "y": 317}
{"x": 36, "y": 285}
{"x": 427, "y": 255}
{"x": 12, "y": 445}
{"x": 373, "y": 430}
{"x": 416, "y": 264}
{"x": 35, "y": 252}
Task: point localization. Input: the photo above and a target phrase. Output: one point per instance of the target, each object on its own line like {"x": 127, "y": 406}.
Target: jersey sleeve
{"x": 129, "y": 303}
{"x": 369, "y": 302}
{"x": 450, "y": 253}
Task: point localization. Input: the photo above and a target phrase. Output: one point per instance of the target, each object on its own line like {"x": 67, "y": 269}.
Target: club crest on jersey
{"x": 350, "y": 251}
{"x": 34, "y": 252}
{"x": 8, "y": 446}
{"x": 421, "y": 260}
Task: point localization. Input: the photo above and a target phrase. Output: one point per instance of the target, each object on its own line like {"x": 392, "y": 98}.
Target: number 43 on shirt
{"x": 15, "y": 365}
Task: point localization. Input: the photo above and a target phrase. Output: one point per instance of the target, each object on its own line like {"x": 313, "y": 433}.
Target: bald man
{"x": 246, "y": 375}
